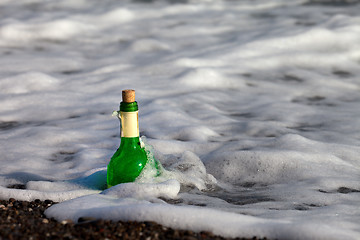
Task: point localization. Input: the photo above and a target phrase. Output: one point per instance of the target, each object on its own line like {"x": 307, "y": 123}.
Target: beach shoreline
{"x": 26, "y": 220}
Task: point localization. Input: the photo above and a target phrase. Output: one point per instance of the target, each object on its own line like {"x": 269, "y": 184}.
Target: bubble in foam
{"x": 188, "y": 169}
{"x": 153, "y": 170}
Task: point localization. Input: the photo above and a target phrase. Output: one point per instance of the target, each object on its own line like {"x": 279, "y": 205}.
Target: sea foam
{"x": 251, "y": 108}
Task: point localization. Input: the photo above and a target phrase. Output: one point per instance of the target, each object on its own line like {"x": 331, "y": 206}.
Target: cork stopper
{"x": 128, "y": 95}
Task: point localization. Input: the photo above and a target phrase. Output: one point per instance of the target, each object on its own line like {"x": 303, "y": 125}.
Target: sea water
{"x": 252, "y": 108}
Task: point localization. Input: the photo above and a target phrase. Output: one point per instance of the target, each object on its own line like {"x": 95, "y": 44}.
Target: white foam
{"x": 58, "y": 30}
{"x": 28, "y": 82}
{"x": 208, "y": 78}
{"x": 119, "y": 15}
{"x": 251, "y": 108}
{"x": 30, "y": 195}
{"x": 167, "y": 189}
{"x": 189, "y": 217}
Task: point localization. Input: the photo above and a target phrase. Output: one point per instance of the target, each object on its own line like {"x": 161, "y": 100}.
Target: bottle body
{"x": 127, "y": 162}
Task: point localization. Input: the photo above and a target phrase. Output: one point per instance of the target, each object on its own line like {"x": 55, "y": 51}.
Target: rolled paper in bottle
{"x": 130, "y": 124}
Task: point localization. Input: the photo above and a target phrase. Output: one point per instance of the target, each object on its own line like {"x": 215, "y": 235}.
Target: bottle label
{"x": 129, "y": 124}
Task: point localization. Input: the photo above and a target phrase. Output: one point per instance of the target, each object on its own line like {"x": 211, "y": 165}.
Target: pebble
{"x": 64, "y": 222}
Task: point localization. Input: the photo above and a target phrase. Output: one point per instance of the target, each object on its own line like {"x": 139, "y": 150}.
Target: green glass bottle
{"x": 130, "y": 158}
